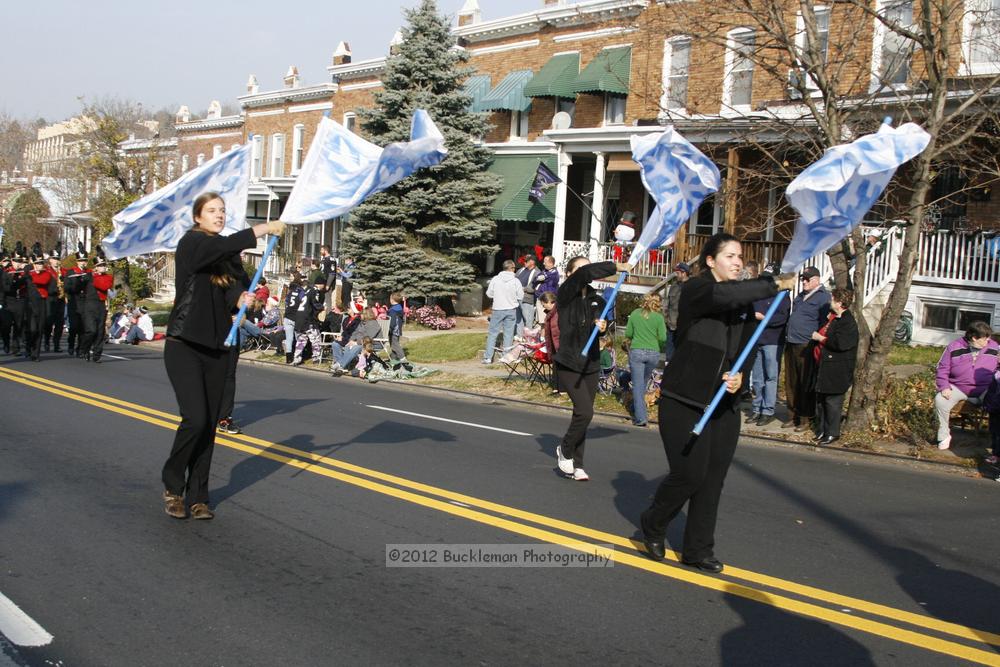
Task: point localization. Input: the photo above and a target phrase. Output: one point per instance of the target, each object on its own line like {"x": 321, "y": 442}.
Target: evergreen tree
{"x": 421, "y": 235}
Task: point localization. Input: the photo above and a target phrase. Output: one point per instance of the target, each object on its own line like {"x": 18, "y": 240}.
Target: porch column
{"x": 563, "y": 162}
{"x": 597, "y": 208}
{"x": 732, "y": 183}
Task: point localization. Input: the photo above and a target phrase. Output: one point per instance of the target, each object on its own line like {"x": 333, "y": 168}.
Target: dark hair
{"x": 843, "y": 295}
{"x": 713, "y": 246}
{"x": 296, "y": 278}
{"x": 547, "y": 297}
{"x": 573, "y": 261}
{"x": 977, "y": 329}
{"x": 201, "y": 200}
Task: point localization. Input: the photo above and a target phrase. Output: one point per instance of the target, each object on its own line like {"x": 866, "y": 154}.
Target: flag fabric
{"x": 341, "y": 169}
{"x": 545, "y": 179}
{"x": 678, "y": 176}
{"x": 157, "y": 222}
{"x": 833, "y": 194}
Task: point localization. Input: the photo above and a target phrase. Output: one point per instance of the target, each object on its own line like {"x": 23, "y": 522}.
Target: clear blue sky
{"x": 185, "y": 51}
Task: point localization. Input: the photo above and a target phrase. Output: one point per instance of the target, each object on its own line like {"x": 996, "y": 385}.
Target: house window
{"x": 201, "y": 159}
{"x": 312, "y": 239}
{"x": 954, "y": 317}
{"x": 981, "y": 27}
{"x": 170, "y": 170}
{"x": 892, "y": 52}
{"x": 810, "y": 54}
{"x": 216, "y": 151}
{"x": 676, "y": 61}
{"x": 614, "y": 109}
{"x": 184, "y": 164}
{"x": 257, "y": 157}
{"x": 518, "y": 124}
{"x": 738, "y": 83}
{"x": 298, "y": 139}
{"x": 350, "y": 120}
{"x": 277, "y": 155}
{"x": 708, "y": 219}
{"x": 564, "y": 105}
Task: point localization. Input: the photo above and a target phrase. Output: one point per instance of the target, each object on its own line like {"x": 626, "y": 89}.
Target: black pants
{"x": 198, "y": 376}
{"x": 829, "y": 409}
{"x": 34, "y": 325}
{"x": 95, "y": 315}
{"x": 74, "y": 335}
{"x": 799, "y": 381}
{"x": 695, "y": 479}
{"x": 345, "y": 294}
{"x": 229, "y": 393}
{"x": 55, "y": 319}
{"x": 12, "y": 325}
{"x": 582, "y": 389}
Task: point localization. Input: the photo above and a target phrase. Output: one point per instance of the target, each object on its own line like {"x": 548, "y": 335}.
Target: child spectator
{"x": 368, "y": 359}
{"x": 307, "y": 319}
{"x": 396, "y": 318}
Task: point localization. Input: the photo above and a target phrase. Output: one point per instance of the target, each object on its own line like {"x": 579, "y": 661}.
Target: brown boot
{"x": 201, "y": 511}
{"x": 174, "y": 505}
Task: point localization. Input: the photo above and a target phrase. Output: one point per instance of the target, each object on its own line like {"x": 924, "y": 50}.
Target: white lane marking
{"x": 450, "y": 421}
{"x": 19, "y": 628}
{"x": 111, "y": 356}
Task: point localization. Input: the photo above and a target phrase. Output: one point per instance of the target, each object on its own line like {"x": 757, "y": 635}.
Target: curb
{"x": 610, "y": 415}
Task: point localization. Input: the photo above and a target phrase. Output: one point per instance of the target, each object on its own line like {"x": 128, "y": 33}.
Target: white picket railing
{"x": 961, "y": 259}
{"x": 654, "y": 264}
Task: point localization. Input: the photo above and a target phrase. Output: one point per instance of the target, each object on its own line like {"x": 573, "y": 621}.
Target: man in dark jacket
{"x": 671, "y": 306}
{"x": 527, "y": 275}
{"x": 328, "y": 265}
{"x": 809, "y": 313}
{"x": 767, "y": 359}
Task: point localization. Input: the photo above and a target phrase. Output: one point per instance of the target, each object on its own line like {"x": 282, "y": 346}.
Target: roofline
{"x": 321, "y": 90}
{"x": 210, "y": 123}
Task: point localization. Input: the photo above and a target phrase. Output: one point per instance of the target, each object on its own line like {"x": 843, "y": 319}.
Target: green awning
{"x": 476, "y": 87}
{"x": 556, "y": 78}
{"x": 608, "y": 72}
{"x": 518, "y": 172}
{"x": 509, "y": 93}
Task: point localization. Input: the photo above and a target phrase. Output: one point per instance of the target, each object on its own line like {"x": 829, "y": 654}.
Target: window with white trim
{"x": 277, "y": 155}
{"x": 822, "y": 47}
{"x": 350, "y": 120}
{"x": 676, "y": 65}
{"x": 257, "y": 157}
{"x": 170, "y": 170}
{"x": 298, "y": 147}
{"x": 216, "y": 151}
{"x": 892, "y": 53}
{"x": 614, "y": 109}
{"x": 954, "y": 317}
{"x": 519, "y": 124}
{"x": 201, "y": 159}
{"x": 567, "y": 106}
{"x": 737, "y": 86}
{"x": 185, "y": 164}
{"x": 981, "y": 43}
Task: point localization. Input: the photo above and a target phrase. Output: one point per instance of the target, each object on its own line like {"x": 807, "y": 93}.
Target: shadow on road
{"x": 770, "y": 636}
{"x": 946, "y": 594}
{"x": 10, "y": 493}
{"x": 250, "y": 412}
{"x": 253, "y": 469}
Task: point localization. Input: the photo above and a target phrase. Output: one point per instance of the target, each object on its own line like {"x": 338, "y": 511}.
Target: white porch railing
{"x": 162, "y": 271}
{"x": 959, "y": 259}
{"x": 654, "y": 264}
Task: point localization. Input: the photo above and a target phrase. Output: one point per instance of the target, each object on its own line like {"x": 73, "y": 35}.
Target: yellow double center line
{"x": 504, "y": 516}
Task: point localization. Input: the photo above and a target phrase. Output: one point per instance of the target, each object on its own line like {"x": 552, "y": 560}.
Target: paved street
{"x": 831, "y": 559}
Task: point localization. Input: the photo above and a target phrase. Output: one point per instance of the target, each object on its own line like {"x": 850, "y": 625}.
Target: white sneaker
{"x": 581, "y": 475}
{"x": 565, "y": 464}
{"x": 945, "y": 444}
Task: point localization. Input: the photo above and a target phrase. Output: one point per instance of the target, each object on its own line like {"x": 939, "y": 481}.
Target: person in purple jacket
{"x": 546, "y": 281}
{"x": 964, "y": 373}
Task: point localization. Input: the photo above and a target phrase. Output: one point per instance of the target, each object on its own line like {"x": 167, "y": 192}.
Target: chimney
{"x": 252, "y": 86}
{"x": 397, "y": 39}
{"x": 553, "y": 3}
{"x": 183, "y": 115}
{"x": 214, "y": 109}
{"x": 342, "y": 55}
{"x": 470, "y": 13}
{"x": 292, "y": 77}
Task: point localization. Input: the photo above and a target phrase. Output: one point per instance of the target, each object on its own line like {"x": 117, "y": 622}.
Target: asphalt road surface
{"x": 831, "y": 559}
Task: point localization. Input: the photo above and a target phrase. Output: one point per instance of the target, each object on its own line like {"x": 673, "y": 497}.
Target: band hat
{"x": 100, "y": 261}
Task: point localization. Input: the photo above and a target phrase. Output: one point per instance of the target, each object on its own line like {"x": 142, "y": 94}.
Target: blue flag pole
{"x": 700, "y": 426}
{"x": 271, "y": 242}
{"x": 604, "y": 313}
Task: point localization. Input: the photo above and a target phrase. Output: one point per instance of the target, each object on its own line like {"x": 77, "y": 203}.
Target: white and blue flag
{"x": 678, "y": 176}
{"x": 834, "y": 193}
{"x": 157, "y": 222}
{"x": 342, "y": 169}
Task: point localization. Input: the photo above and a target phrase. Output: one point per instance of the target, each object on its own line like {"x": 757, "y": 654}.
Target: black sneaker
{"x": 227, "y": 425}
{"x": 764, "y": 420}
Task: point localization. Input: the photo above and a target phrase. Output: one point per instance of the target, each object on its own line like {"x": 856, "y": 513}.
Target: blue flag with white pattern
{"x": 834, "y": 193}
{"x": 342, "y": 169}
{"x": 678, "y": 176}
{"x": 157, "y": 222}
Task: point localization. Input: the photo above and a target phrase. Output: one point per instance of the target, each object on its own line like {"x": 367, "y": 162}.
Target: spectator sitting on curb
{"x": 964, "y": 373}
{"x": 345, "y": 354}
{"x": 142, "y": 329}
